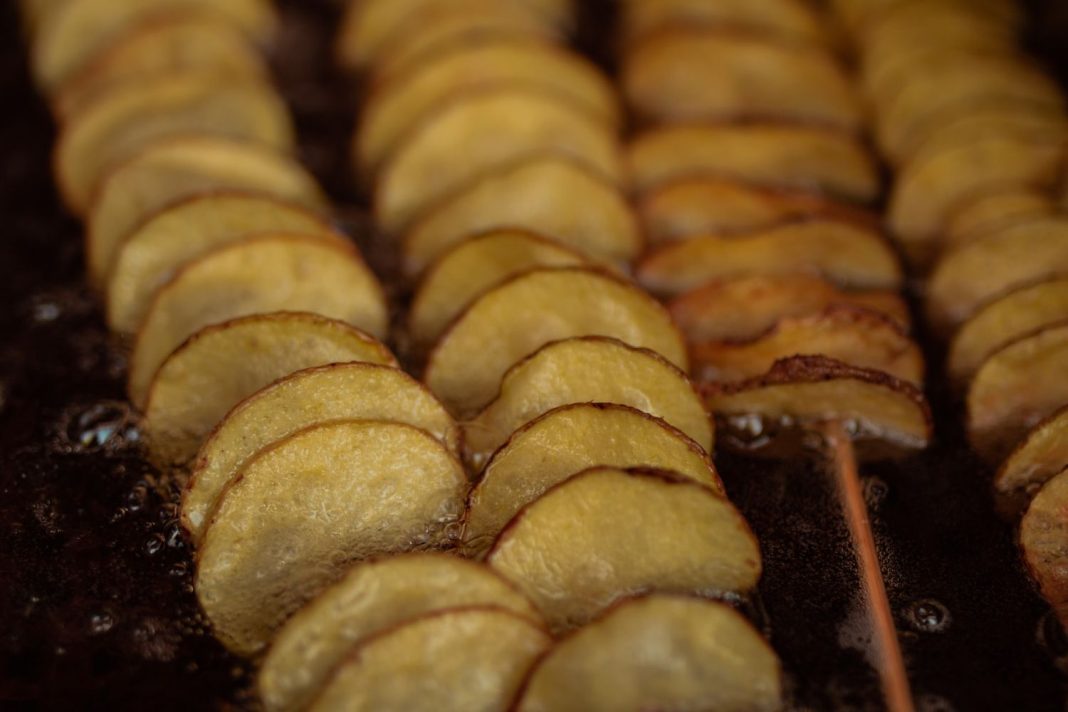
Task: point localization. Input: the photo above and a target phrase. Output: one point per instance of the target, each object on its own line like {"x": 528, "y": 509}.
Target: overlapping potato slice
{"x": 549, "y": 195}
{"x": 258, "y": 275}
{"x": 1043, "y": 538}
{"x": 372, "y": 598}
{"x": 566, "y": 440}
{"x": 995, "y": 210}
{"x": 853, "y": 335}
{"x": 843, "y": 252}
{"x": 789, "y": 156}
{"x": 475, "y": 265}
{"x": 523, "y": 121}
{"x": 460, "y": 659}
{"x": 693, "y": 74}
{"x": 788, "y": 19}
{"x": 341, "y": 391}
{"x": 532, "y": 309}
{"x": 223, "y": 365}
{"x": 639, "y": 530}
{"x": 308, "y": 505}
{"x": 1017, "y": 386}
{"x": 1036, "y": 460}
{"x": 34, "y": 13}
{"x": 659, "y": 652}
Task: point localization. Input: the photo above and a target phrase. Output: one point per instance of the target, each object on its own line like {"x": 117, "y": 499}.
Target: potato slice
{"x": 308, "y": 505}
{"x": 551, "y": 195}
{"x": 566, "y": 440}
{"x": 340, "y": 391}
{"x": 1043, "y": 538}
{"x": 638, "y": 530}
{"x": 224, "y": 364}
{"x": 131, "y": 117}
{"x": 856, "y": 336}
{"x": 1017, "y": 386}
{"x": 1035, "y": 461}
{"x": 472, "y": 267}
{"x": 659, "y": 652}
{"x": 994, "y": 210}
{"x": 765, "y": 414}
{"x": 259, "y": 275}
{"x": 845, "y": 253}
{"x": 787, "y": 19}
{"x": 901, "y": 25}
{"x": 35, "y": 13}
{"x": 746, "y": 307}
{"x": 524, "y": 122}
{"x": 697, "y": 74}
{"x": 372, "y": 598}
{"x": 782, "y": 155}
{"x": 461, "y": 659}
{"x": 176, "y": 169}
{"x": 532, "y": 309}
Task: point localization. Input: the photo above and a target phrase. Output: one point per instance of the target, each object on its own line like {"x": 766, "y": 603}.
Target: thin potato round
{"x": 310, "y": 504}
{"x": 1035, "y": 461}
{"x": 1043, "y": 533}
{"x": 789, "y": 19}
{"x": 996, "y": 209}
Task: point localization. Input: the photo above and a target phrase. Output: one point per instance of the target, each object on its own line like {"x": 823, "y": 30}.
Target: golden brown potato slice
{"x": 532, "y": 309}
{"x": 566, "y": 440}
{"x": 1035, "y": 461}
{"x": 523, "y": 121}
{"x": 35, "y": 13}
{"x": 461, "y": 659}
{"x": 551, "y": 195}
{"x": 340, "y": 391}
{"x": 1017, "y": 386}
{"x": 131, "y": 117}
{"x": 372, "y": 598}
{"x": 306, "y": 506}
{"x": 788, "y": 19}
{"x": 659, "y": 652}
{"x": 639, "y": 530}
{"x": 1044, "y": 540}
{"x": 782, "y": 155}
{"x": 866, "y": 17}
{"x": 996, "y": 209}
{"x": 256, "y": 276}
{"x": 472, "y": 267}
{"x": 587, "y": 370}
{"x": 223, "y": 365}
{"x": 883, "y": 414}
{"x": 746, "y": 307}
{"x": 693, "y": 74}
{"x": 845, "y": 253}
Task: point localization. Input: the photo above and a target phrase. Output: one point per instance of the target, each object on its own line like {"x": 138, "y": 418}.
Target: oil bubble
{"x": 928, "y": 616}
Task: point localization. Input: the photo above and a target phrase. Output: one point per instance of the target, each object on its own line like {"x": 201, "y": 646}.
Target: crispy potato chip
{"x": 524, "y": 121}
{"x": 1043, "y": 537}
{"x": 372, "y": 598}
{"x": 307, "y": 506}
{"x": 789, "y": 19}
{"x": 991, "y": 211}
{"x": 566, "y": 440}
{"x": 224, "y": 364}
{"x": 865, "y": 17}
{"x": 1035, "y": 461}
{"x": 659, "y": 652}
{"x": 551, "y": 195}
{"x": 340, "y": 391}
{"x": 532, "y": 309}
{"x": 584, "y": 370}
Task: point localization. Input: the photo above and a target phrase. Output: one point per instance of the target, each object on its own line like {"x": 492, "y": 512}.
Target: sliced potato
{"x": 460, "y": 659}
{"x": 659, "y": 652}
{"x": 308, "y": 505}
{"x": 340, "y": 391}
{"x": 1035, "y": 461}
{"x": 996, "y": 209}
{"x": 35, "y": 13}
{"x": 523, "y": 121}
{"x": 788, "y": 19}
{"x": 584, "y": 370}
{"x": 845, "y": 253}
{"x": 566, "y": 440}
{"x": 224, "y": 364}
{"x": 606, "y": 533}
{"x": 532, "y": 309}
{"x": 1043, "y": 538}
{"x": 551, "y": 195}
{"x": 472, "y": 267}
{"x": 371, "y": 599}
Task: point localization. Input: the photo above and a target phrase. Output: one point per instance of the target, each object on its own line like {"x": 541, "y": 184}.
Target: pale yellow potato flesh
{"x": 1044, "y": 541}
{"x": 549, "y": 194}
{"x": 1036, "y": 460}
{"x": 585, "y": 370}
{"x": 566, "y": 440}
{"x": 472, "y": 267}
{"x": 257, "y": 276}
{"x": 223, "y": 365}
{"x": 789, "y": 19}
{"x": 605, "y": 534}
{"x": 532, "y": 309}
{"x": 372, "y": 598}
{"x": 341, "y": 391}
{"x": 659, "y": 652}
{"x": 461, "y": 659}
{"x": 307, "y": 506}
{"x": 449, "y": 148}
{"x": 994, "y": 210}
